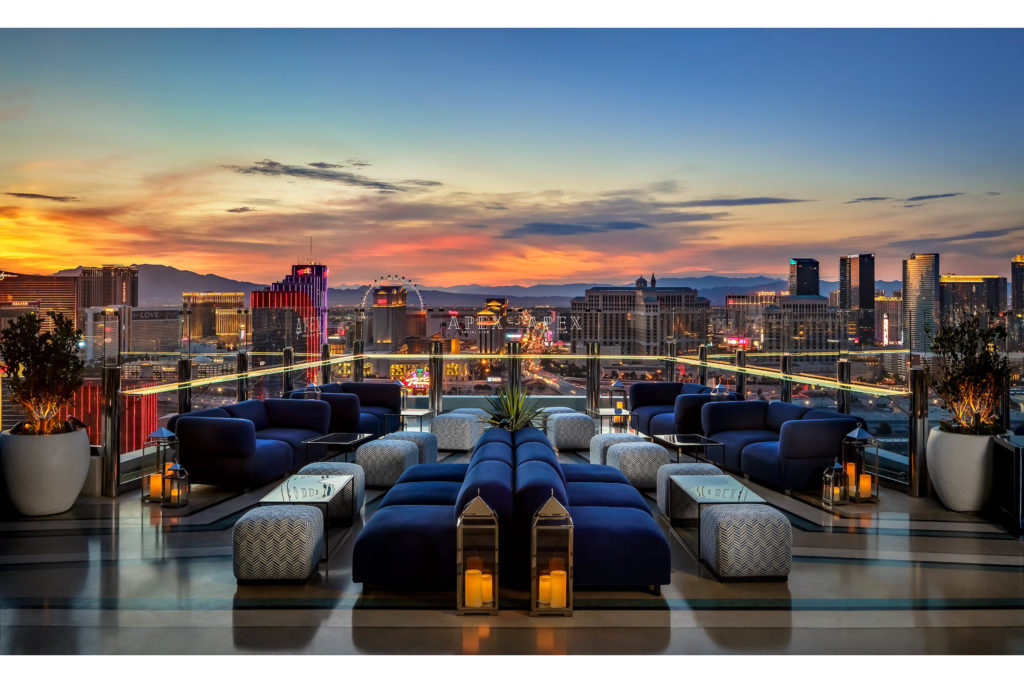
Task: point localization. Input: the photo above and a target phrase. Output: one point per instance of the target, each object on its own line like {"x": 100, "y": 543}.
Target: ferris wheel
{"x": 391, "y": 280}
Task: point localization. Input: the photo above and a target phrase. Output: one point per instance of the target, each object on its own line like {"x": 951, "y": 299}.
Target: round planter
{"x": 44, "y": 474}
{"x": 960, "y": 467}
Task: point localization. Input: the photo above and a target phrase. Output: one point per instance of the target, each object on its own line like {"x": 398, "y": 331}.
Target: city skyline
{"x": 509, "y": 157}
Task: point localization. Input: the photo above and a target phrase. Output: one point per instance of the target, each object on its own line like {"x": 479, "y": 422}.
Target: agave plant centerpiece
{"x": 512, "y": 410}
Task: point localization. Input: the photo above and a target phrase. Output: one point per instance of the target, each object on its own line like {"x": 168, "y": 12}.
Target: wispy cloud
{"x": 323, "y": 171}
{"x": 859, "y": 200}
{"x": 242, "y": 209}
{"x": 738, "y": 201}
{"x": 563, "y": 229}
{"x": 926, "y": 197}
{"x": 48, "y": 197}
{"x": 936, "y": 241}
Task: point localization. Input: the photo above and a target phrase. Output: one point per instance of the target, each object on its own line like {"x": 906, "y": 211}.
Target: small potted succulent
{"x": 512, "y": 410}
{"x": 45, "y": 458}
{"x": 968, "y": 373}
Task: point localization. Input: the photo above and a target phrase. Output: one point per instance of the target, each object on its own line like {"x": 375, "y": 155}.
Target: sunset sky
{"x": 510, "y": 157}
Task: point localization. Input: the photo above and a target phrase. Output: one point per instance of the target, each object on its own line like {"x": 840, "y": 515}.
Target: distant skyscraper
{"x": 108, "y": 286}
{"x": 857, "y": 294}
{"x": 387, "y": 317}
{"x": 46, "y": 293}
{"x": 803, "y": 277}
{"x": 966, "y": 296}
{"x": 888, "y": 319}
{"x": 204, "y": 311}
{"x": 305, "y": 293}
{"x": 1017, "y": 282}
{"x": 921, "y": 303}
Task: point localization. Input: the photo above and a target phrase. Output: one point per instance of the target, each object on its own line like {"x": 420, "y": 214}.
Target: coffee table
{"x": 609, "y": 414}
{"x": 712, "y": 489}
{"x": 695, "y": 442}
{"x": 419, "y": 413}
{"x": 317, "y": 490}
{"x": 339, "y": 442}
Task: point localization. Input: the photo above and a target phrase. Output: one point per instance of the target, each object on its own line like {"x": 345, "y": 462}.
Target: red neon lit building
{"x": 305, "y": 293}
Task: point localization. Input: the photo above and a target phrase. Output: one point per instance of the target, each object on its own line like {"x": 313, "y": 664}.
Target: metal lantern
{"x": 477, "y": 559}
{"x": 834, "y": 486}
{"x": 860, "y": 462}
{"x": 163, "y": 446}
{"x": 551, "y": 560}
{"x": 617, "y": 396}
{"x": 176, "y": 488}
{"x": 312, "y": 391}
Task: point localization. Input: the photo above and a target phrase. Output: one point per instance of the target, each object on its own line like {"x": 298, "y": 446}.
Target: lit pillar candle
{"x": 156, "y": 486}
{"x": 851, "y": 471}
{"x": 544, "y": 589}
{"x": 865, "y": 485}
{"x": 474, "y": 595}
{"x": 558, "y": 588}
{"x": 487, "y": 587}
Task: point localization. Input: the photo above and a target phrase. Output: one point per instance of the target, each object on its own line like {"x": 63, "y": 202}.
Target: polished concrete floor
{"x": 122, "y": 577}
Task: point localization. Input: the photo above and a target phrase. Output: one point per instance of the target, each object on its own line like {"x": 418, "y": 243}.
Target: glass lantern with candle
{"x": 312, "y": 391}
{"x": 477, "y": 559}
{"x": 161, "y": 448}
{"x": 617, "y": 398}
{"x": 860, "y": 462}
{"x": 176, "y": 488}
{"x": 551, "y": 560}
{"x": 834, "y": 486}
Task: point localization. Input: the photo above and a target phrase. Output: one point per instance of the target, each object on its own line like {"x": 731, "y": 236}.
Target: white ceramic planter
{"x": 44, "y": 474}
{"x": 960, "y": 467}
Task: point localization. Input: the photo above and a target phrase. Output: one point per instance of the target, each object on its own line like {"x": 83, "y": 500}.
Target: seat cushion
{"x": 369, "y": 424}
{"x": 407, "y": 546}
{"x": 641, "y": 420}
{"x": 664, "y": 423}
{"x": 386, "y": 417}
{"x": 254, "y": 411}
{"x": 292, "y": 437}
{"x": 422, "y": 493}
{"x": 492, "y": 481}
{"x": 579, "y": 472}
{"x": 736, "y": 441}
{"x": 441, "y": 472}
{"x": 595, "y": 493}
{"x": 270, "y": 460}
{"x": 618, "y": 546}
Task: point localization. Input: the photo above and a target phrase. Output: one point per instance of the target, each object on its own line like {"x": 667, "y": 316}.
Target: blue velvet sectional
{"x": 246, "y": 444}
{"x": 670, "y": 407}
{"x": 364, "y": 407}
{"x": 410, "y": 541}
{"x": 780, "y": 444}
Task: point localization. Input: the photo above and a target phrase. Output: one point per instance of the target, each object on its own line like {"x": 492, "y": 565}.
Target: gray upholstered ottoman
{"x": 600, "y": 444}
{"x": 746, "y": 541}
{"x": 456, "y": 431}
{"x": 425, "y": 442}
{"x": 384, "y": 460}
{"x": 671, "y": 501}
{"x": 347, "y": 504}
{"x": 278, "y": 543}
{"x": 639, "y": 461}
{"x": 547, "y": 413}
{"x": 571, "y": 431}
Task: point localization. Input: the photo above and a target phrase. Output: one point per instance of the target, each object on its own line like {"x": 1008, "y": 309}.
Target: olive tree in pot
{"x": 968, "y": 373}
{"x": 45, "y": 458}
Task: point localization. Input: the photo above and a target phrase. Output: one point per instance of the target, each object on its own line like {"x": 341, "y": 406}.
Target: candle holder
{"x": 312, "y": 391}
{"x": 834, "y": 486}
{"x": 477, "y": 559}
{"x": 860, "y": 462}
{"x": 176, "y": 487}
{"x": 551, "y": 560}
{"x": 162, "y": 445}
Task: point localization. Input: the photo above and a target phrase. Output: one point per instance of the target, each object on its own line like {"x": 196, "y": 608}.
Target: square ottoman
{"x": 600, "y": 444}
{"x": 750, "y": 541}
{"x": 546, "y": 413}
{"x": 457, "y": 431}
{"x": 384, "y": 460}
{"x": 278, "y": 543}
{"x": 347, "y": 504}
{"x": 639, "y": 461}
{"x": 425, "y": 442}
{"x": 571, "y": 431}
{"x": 671, "y": 501}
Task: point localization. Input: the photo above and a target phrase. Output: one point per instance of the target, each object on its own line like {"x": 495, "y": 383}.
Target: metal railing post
{"x": 1004, "y": 404}
{"x": 786, "y": 367}
{"x": 325, "y": 363}
{"x": 920, "y": 485}
{"x": 741, "y": 377}
{"x": 111, "y": 429}
{"x": 515, "y": 365}
{"x": 844, "y": 397}
{"x": 184, "y": 393}
{"x": 242, "y": 384}
{"x": 287, "y": 360}
{"x": 436, "y": 370}
{"x": 357, "y": 360}
{"x": 593, "y": 375}
{"x": 671, "y": 350}
{"x": 702, "y": 369}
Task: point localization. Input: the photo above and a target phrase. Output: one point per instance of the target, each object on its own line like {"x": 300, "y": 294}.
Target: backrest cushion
{"x": 528, "y": 434}
{"x": 492, "y": 451}
{"x": 254, "y": 411}
{"x": 819, "y": 414}
{"x": 694, "y": 388}
{"x": 494, "y": 436}
{"x": 653, "y": 393}
{"x": 377, "y": 395}
{"x": 493, "y": 481}
{"x": 780, "y": 411}
{"x": 539, "y": 452}
{"x": 534, "y": 483}
{"x": 207, "y": 412}
{"x": 724, "y": 416}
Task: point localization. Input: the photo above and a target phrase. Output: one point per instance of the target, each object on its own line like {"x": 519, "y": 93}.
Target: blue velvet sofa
{"x": 670, "y": 407}
{"x": 246, "y": 444}
{"x": 780, "y": 444}
{"x": 366, "y": 407}
{"x": 410, "y": 541}
{"x": 345, "y": 408}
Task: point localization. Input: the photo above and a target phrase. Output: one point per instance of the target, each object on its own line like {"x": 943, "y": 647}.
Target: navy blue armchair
{"x": 380, "y": 406}
{"x": 670, "y": 407}
{"x": 345, "y": 408}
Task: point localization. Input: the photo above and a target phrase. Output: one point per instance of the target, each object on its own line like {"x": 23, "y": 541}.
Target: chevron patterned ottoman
{"x": 384, "y": 460}
{"x": 347, "y": 504}
{"x": 457, "y": 431}
{"x": 600, "y": 444}
{"x": 278, "y": 543}
{"x": 547, "y": 413}
{"x": 425, "y": 442}
{"x": 571, "y": 431}
{"x": 671, "y": 501}
{"x": 639, "y": 461}
{"x": 746, "y": 541}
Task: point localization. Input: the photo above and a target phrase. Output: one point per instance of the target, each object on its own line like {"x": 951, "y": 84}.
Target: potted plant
{"x": 512, "y": 410}
{"x": 968, "y": 373}
{"x": 45, "y": 458}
